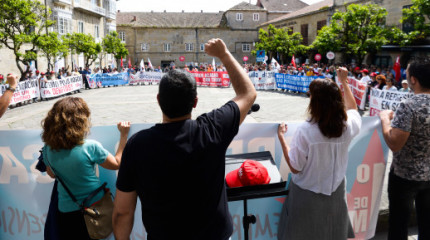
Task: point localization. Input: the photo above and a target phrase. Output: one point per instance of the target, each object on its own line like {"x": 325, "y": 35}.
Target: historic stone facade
{"x": 95, "y": 17}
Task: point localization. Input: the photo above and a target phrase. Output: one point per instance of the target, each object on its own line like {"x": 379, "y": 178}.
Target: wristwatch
{"x": 11, "y": 89}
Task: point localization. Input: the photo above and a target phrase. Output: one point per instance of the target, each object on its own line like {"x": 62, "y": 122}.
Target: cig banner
{"x": 385, "y": 100}
{"x": 107, "y": 79}
{"x": 146, "y": 77}
{"x": 359, "y": 90}
{"x": 294, "y": 82}
{"x": 263, "y": 80}
{"x": 25, "y": 192}
{"x": 212, "y": 79}
{"x": 25, "y": 90}
{"x": 55, "y": 88}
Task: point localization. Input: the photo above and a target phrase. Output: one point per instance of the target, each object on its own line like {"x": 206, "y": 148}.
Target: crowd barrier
{"x": 26, "y": 192}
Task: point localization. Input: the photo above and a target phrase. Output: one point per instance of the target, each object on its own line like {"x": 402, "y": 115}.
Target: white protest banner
{"x": 359, "y": 90}
{"x": 146, "y": 77}
{"x": 263, "y": 80}
{"x": 25, "y": 90}
{"x": 385, "y": 100}
{"x": 54, "y": 88}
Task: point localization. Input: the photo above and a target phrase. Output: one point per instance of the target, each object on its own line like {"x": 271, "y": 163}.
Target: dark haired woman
{"x": 73, "y": 158}
{"x": 316, "y": 206}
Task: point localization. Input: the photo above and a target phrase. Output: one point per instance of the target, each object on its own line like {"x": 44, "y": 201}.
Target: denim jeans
{"x": 402, "y": 194}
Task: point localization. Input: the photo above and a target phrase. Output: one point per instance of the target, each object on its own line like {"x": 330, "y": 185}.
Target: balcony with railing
{"x": 66, "y": 2}
{"x": 90, "y": 7}
{"x": 110, "y": 14}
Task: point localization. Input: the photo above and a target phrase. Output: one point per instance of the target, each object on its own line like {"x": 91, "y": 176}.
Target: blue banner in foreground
{"x": 25, "y": 192}
{"x": 294, "y": 82}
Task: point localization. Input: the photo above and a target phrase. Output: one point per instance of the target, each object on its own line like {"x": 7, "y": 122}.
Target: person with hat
{"x": 177, "y": 168}
{"x": 8, "y": 94}
{"x": 316, "y": 206}
{"x": 405, "y": 86}
{"x": 365, "y": 79}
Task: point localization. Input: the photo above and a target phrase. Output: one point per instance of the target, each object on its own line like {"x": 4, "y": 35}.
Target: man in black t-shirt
{"x": 177, "y": 168}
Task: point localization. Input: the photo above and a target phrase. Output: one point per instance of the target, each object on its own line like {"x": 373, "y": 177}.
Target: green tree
{"x": 280, "y": 41}
{"x": 418, "y": 15}
{"x": 113, "y": 45}
{"x": 356, "y": 32}
{"x": 52, "y": 47}
{"x": 21, "y": 24}
{"x": 85, "y": 44}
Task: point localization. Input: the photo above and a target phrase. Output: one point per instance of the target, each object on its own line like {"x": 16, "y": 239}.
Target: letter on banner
{"x": 8, "y": 170}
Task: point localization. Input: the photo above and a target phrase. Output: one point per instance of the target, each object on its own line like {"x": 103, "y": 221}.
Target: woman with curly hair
{"x": 316, "y": 206}
{"x": 73, "y": 158}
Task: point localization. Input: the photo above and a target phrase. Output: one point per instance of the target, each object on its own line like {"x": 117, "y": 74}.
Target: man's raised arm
{"x": 242, "y": 85}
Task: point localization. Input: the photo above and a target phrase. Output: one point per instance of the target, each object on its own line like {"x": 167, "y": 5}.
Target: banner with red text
{"x": 58, "y": 87}
{"x": 359, "y": 90}
{"x": 263, "y": 80}
{"x": 211, "y": 79}
{"x": 25, "y": 91}
{"x": 385, "y": 100}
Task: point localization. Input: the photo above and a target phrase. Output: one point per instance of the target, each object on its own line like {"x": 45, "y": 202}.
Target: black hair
{"x": 420, "y": 69}
{"x": 177, "y": 92}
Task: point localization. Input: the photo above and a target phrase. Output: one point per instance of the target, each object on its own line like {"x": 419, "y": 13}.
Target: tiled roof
{"x": 170, "y": 19}
{"x": 281, "y": 5}
{"x": 246, "y": 6}
{"x": 307, "y": 10}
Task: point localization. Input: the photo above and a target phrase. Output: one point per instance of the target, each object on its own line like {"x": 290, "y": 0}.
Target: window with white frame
{"x": 202, "y": 47}
{"x": 122, "y": 36}
{"x": 80, "y": 27}
{"x": 96, "y": 31}
{"x": 189, "y": 47}
{"x": 246, "y": 47}
{"x": 64, "y": 25}
{"x": 167, "y": 47}
{"x": 239, "y": 17}
{"x": 144, "y": 47}
{"x": 256, "y": 17}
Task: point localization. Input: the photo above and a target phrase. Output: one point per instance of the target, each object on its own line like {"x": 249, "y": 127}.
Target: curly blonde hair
{"x": 67, "y": 123}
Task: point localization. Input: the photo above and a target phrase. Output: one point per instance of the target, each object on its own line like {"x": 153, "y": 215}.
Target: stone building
{"x": 166, "y": 37}
{"x": 95, "y": 17}
{"x": 278, "y": 8}
{"x": 310, "y": 19}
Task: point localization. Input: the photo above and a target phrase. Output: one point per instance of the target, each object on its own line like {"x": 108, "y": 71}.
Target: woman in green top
{"x": 74, "y": 159}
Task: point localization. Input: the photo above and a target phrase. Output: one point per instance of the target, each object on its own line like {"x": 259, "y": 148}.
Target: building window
{"x": 96, "y": 31}
{"x": 407, "y": 26}
{"x": 304, "y": 30}
{"x": 290, "y": 30}
{"x": 80, "y": 27}
{"x": 167, "y": 47}
{"x": 189, "y": 47}
{"x": 122, "y": 36}
{"x": 256, "y": 17}
{"x": 239, "y": 17}
{"x": 202, "y": 47}
{"x": 321, "y": 24}
{"x": 144, "y": 47}
{"x": 246, "y": 47}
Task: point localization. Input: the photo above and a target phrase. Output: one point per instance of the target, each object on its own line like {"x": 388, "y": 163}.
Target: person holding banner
{"x": 8, "y": 94}
{"x": 177, "y": 168}
{"x": 316, "y": 206}
{"x": 407, "y": 134}
{"x": 71, "y": 157}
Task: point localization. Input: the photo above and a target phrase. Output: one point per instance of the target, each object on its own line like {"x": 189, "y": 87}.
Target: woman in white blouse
{"x": 316, "y": 206}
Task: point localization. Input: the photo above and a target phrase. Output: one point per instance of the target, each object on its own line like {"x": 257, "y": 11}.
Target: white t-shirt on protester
{"x": 365, "y": 79}
{"x": 322, "y": 161}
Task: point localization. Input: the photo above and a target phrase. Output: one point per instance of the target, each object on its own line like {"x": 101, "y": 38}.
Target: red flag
{"x": 129, "y": 62}
{"x": 122, "y": 64}
{"x": 293, "y": 61}
{"x": 396, "y": 69}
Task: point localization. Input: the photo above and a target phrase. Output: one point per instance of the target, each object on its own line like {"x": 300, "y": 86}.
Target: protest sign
{"x": 107, "y": 79}
{"x": 211, "y": 79}
{"x": 385, "y": 100}
{"x": 146, "y": 77}
{"x": 263, "y": 80}
{"x": 25, "y": 90}
{"x": 358, "y": 89}
{"x": 58, "y": 87}
{"x": 294, "y": 82}
{"x": 26, "y": 192}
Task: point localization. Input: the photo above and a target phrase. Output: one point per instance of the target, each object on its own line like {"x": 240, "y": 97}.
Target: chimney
{"x": 134, "y": 18}
{"x": 165, "y": 11}
{"x": 119, "y": 10}
{"x": 152, "y": 11}
{"x": 183, "y": 11}
{"x": 201, "y": 11}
